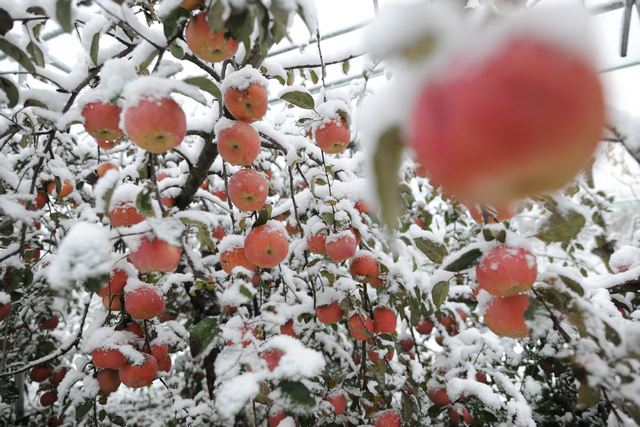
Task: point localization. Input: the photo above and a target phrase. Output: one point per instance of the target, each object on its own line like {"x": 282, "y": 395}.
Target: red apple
{"x": 165, "y": 365}
{"x": 112, "y": 302}
{"x": 481, "y": 377}
{"x": 406, "y": 343}
{"x": 218, "y": 233}
{"x": 192, "y": 4}
{"x": 505, "y": 316}
{"x": 144, "y": 302}
{"x": 221, "y": 194}
{"x": 248, "y": 190}
{"x": 424, "y": 326}
{"x": 329, "y": 314}
{"x": 65, "y": 190}
{"x": 102, "y": 169}
{"x": 115, "y": 286}
{"x": 139, "y": 376}
{"x": 388, "y": 418}
{"x": 438, "y": 396}
{"x": 287, "y": 329}
{"x": 235, "y": 257}
{"x": 272, "y": 357}
{"x": 39, "y": 373}
{"x": 341, "y": 246}
{"x": 384, "y": 320}
{"x": 155, "y": 255}
{"x": 276, "y": 416}
{"x": 507, "y": 271}
{"x": 248, "y": 104}
{"x": 364, "y": 267}
{"x": 108, "y": 358}
{"x": 48, "y": 398}
{"x": 102, "y": 121}
{"x": 316, "y": 243}
{"x": 58, "y": 376}
{"x": 333, "y": 137}
{"x": 125, "y": 215}
{"x": 239, "y": 143}
{"x": 454, "y": 415}
{"x": 206, "y": 45}
{"x": 501, "y": 213}
{"x": 266, "y": 245}
{"x": 373, "y": 356}
{"x": 156, "y": 125}
{"x": 524, "y": 121}
{"x": 339, "y": 402}
{"x": 360, "y": 326}
{"x": 52, "y": 323}
{"x": 132, "y": 327}
{"x": 160, "y": 351}
{"x": 109, "y": 380}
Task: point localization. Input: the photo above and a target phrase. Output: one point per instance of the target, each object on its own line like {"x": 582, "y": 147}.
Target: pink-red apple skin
{"x": 275, "y": 417}
{"x": 109, "y": 380}
{"x": 155, "y": 255}
{"x": 360, "y": 326}
{"x": 116, "y": 283}
{"x": 108, "y": 358}
{"x": 266, "y": 245}
{"x": 388, "y": 418}
{"x": 455, "y": 416}
{"x": 4, "y": 310}
{"x": 364, "y": 267}
{"x": 524, "y": 122}
{"x": 272, "y": 357}
{"x": 333, "y": 137}
{"x": 107, "y": 145}
{"x": 39, "y": 373}
{"x": 341, "y": 247}
{"x": 248, "y": 105}
{"x": 65, "y": 189}
{"x": 438, "y": 396}
{"x": 287, "y": 329}
{"x": 139, "y": 376}
{"x": 329, "y": 314}
{"x": 339, "y": 402}
{"x": 125, "y": 215}
{"x": 102, "y": 169}
{"x": 156, "y": 125}
{"x": 235, "y": 257}
{"x": 102, "y": 121}
{"x": 505, "y": 316}
{"x": 206, "y": 45}
{"x": 384, "y": 320}
{"x": 317, "y": 243}
{"x": 144, "y": 302}
{"x": 507, "y": 271}
{"x": 239, "y": 144}
{"x": 424, "y": 326}
{"x": 52, "y": 323}
{"x": 248, "y": 190}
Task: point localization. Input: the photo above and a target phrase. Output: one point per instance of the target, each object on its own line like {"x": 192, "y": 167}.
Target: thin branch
{"x": 323, "y": 64}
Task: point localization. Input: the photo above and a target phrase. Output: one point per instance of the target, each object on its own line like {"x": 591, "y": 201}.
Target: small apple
{"x": 524, "y": 122}
{"x": 218, "y": 233}
{"x": 360, "y": 326}
{"x": 248, "y": 190}
{"x": 329, "y": 314}
{"x": 131, "y": 327}
{"x": 160, "y": 351}
{"x": 107, "y": 145}
{"x": 102, "y": 121}
{"x": 39, "y": 373}
{"x": 58, "y": 376}
{"x": 384, "y": 320}
{"x": 424, "y": 326}
{"x": 333, "y": 137}
{"x": 144, "y": 302}
{"x": 110, "y": 358}
{"x": 52, "y": 323}
{"x": 338, "y": 401}
{"x": 233, "y": 256}
{"x": 406, "y": 343}
{"x": 205, "y": 44}
{"x": 109, "y": 380}
{"x": 192, "y": 4}
{"x": 103, "y": 168}
{"x": 373, "y": 356}
{"x": 287, "y": 329}
{"x": 272, "y": 357}
{"x": 165, "y": 365}
{"x": 388, "y": 418}
{"x": 481, "y": 377}
{"x": 342, "y": 245}
{"x": 364, "y": 267}
{"x": 507, "y": 271}
{"x": 139, "y": 376}
{"x": 113, "y": 302}
{"x": 156, "y": 125}
{"x": 438, "y": 396}
{"x": 276, "y": 416}
{"x": 267, "y": 245}
{"x": 316, "y": 243}
{"x": 125, "y": 215}
{"x": 247, "y": 102}
{"x": 505, "y": 316}
{"x": 238, "y": 143}
{"x": 48, "y": 398}
{"x": 116, "y": 283}
{"x": 65, "y": 190}
{"x": 155, "y": 255}
{"x": 454, "y": 415}
{"x": 501, "y": 213}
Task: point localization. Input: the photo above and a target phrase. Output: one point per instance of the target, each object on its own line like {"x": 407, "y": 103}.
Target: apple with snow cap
{"x": 155, "y": 124}
{"x": 245, "y": 95}
{"x": 206, "y": 45}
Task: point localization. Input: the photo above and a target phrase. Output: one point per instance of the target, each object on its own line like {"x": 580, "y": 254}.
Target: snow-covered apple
{"x": 238, "y": 142}
{"x": 342, "y": 245}
{"x": 248, "y": 190}
{"x": 360, "y": 326}
{"x": 388, "y": 418}
{"x": 102, "y": 121}
{"x": 155, "y": 124}
{"x": 460, "y": 414}
{"x": 316, "y": 243}
{"x": 144, "y": 302}
{"x": 424, "y": 326}
{"x": 329, "y": 314}
{"x": 116, "y": 283}
{"x": 103, "y": 168}
{"x": 203, "y": 42}
{"x": 276, "y": 416}
{"x": 272, "y": 357}
{"x": 65, "y": 189}
{"x": 235, "y": 257}
{"x": 155, "y": 255}
{"x": 333, "y": 137}
{"x": 384, "y": 320}
{"x": 364, "y": 267}
{"x": 247, "y": 104}
{"x": 505, "y": 316}
{"x": 339, "y": 402}
{"x": 523, "y": 121}
{"x": 111, "y": 358}
{"x": 141, "y": 375}
{"x": 267, "y": 245}
{"x": 438, "y": 396}
{"x": 507, "y": 271}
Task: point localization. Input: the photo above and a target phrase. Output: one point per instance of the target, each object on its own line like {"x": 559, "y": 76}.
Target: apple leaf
{"x": 176, "y": 50}
{"x": 240, "y": 25}
{"x": 214, "y": 18}
{"x": 465, "y": 261}
{"x": 173, "y": 23}
{"x": 280, "y": 20}
{"x": 612, "y": 335}
{"x": 36, "y": 54}
{"x": 6, "y": 22}
{"x": 559, "y": 228}
{"x": 345, "y": 67}
{"x": 16, "y": 53}
{"x": 95, "y": 46}
{"x": 297, "y": 396}
{"x": 299, "y": 99}
{"x": 439, "y": 293}
{"x": 63, "y": 14}
{"x": 433, "y": 250}
{"x": 206, "y": 85}
{"x": 143, "y": 202}
{"x": 84, "y": 408}
{"x": 386, "y": 161}
{"x": 10, "y": 90}
{"x": 263, "y": 216}
{"x": 314, "y": 77}
{"x": 203, "y": 334}
{"x": 587, "y": 397}
{"x": 573, "y": 285}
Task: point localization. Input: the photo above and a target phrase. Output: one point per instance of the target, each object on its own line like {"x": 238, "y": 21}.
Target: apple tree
{"x": 198, "y": 231}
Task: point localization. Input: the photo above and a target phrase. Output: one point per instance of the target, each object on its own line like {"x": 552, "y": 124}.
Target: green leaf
{"x": 117, "y": 420}
{"x": 439, "y": 293}
{"x": 36, "y": 54}
{"x": 299, "y": 99}
{"x": 6, "y": 22}
{"x": 63, "y": 14}
{"x": 206, "y": 85}
{"x": 214, "y": 18}
{"x": 143, "y": 203}
{"x": 386, "y": 161}
{"x": 10, "y": 90}
{"x": 17, "y": 54}
{"x": 263, "y": 216}
{"x": 35, "y": 103}
{"x": 304, "y": 18}
{"x": 587, "y": 397}
{"x": 465, "y": 261}
{"x": 176, "y": 50}
{"x": 203, "y": 334}
{"x": 327, "y": 217}
{"x": 561, "y": 228}
{"x": 246, "y": 292}
{"x": 298, "y": 396}
{"x": 95, "y": 46}
{"x": 345, "y": 67}
{"x": 433, "y": 250}
{"x": 83, "y": 409}
{"x": 573, "y": 285}
{"x": 280, "y": 20}
{"x": 174, "y": 21}
{"x": 240, "y": 25}
{"x": 291, "y": 77}
{"x": 612, "y": 335}
{"x": 314, "y": 76}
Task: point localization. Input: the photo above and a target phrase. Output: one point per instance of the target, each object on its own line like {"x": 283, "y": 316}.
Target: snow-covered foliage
{"x": 233, "y": 349}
